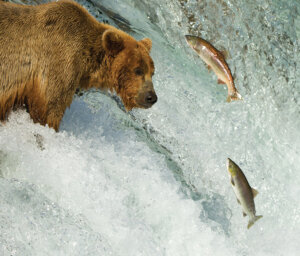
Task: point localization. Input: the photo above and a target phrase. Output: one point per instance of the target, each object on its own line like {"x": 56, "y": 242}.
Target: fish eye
{"x": 138, "y": 72}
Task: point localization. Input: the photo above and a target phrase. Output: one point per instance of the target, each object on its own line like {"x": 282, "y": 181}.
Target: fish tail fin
{"x": 234, "y": 96}
{"x": 252, "y": 221}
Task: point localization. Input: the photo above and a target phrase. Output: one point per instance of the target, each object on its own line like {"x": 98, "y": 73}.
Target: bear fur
{"x": 50, "y": 50}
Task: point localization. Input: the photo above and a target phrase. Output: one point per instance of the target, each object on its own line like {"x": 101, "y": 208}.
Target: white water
{"x": 154, "y": 182}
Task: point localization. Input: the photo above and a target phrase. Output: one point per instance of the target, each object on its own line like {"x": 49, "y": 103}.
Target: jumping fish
{"x": 215, "y": 61}
{"x": 244, "y": 193}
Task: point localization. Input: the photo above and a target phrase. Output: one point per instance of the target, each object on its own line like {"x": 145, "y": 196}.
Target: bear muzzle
{"x": 147, "y": 96}
{"x": 150, "y": 97}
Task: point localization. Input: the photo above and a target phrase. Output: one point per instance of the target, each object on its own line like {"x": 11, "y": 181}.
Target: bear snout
{"x": 150, "y": 98}
{"x": 147, "y": 96}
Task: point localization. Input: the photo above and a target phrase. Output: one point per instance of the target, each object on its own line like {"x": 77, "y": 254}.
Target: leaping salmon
{"x": 215, "y": 61}
{"x": 244, "y": 193}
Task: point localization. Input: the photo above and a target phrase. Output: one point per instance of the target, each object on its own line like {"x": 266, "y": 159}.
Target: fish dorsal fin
{"x": 238, "y": 201}
{"x": 224, "y": 53}
{"x": 244, "y": 214}
{"x": 254, "y": 192}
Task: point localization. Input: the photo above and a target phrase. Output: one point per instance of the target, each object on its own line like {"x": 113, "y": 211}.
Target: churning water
{"x": 154, "y": 182}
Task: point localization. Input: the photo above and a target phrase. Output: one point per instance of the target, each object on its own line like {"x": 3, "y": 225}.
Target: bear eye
{"x": 138, "y": 72}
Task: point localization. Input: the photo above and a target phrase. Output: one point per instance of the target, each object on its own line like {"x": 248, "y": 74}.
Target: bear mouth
{"x": 145, "y": 105}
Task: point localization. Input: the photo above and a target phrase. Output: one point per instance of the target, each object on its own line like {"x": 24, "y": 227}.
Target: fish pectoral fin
{"x": 244, "y": 214}
{"x": 209, "y": 67}
{"x": 238, "y": 201}
{"x": 221, "y": 81}
{"x": 254, "y": 192}
{"x": 232, "y": 181}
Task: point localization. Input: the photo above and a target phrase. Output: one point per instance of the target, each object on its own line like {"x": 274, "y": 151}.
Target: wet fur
{"x": 50, "y": 50}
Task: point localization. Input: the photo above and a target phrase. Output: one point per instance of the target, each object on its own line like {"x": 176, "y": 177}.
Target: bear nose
{"x": 150, "y": 98}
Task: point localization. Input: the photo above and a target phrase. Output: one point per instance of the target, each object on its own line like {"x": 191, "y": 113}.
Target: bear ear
{"x": 147, "y": 43}
{"x": 112, "y": 42}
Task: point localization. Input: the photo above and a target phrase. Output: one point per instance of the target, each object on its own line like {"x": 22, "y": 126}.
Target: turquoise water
{"x": 154, "y": 182}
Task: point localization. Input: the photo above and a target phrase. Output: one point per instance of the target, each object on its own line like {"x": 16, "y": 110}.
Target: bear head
{"x": 131, "y": 68}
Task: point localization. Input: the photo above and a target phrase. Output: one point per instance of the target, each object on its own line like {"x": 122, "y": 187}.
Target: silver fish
{"x": 244, "y": 193}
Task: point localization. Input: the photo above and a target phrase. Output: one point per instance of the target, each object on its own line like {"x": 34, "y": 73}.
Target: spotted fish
{"x": 215, "y": 61}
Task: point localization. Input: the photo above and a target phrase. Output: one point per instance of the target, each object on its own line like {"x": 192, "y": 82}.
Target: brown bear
{"x": 50, "y": 50}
